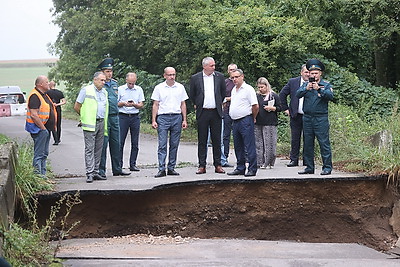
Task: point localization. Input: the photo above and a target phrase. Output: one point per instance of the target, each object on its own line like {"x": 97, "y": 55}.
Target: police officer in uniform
{"x": 113, "y": 138}
{"x": 317, "y": 93}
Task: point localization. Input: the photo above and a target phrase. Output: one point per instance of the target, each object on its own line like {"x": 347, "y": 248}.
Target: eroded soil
{"x": 306, "y": 211}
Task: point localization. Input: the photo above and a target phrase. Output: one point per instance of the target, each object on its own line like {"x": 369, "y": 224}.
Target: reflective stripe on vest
{"x": 43, "y": 112}
{"x": 44, "y": 109}
{"x": 89, "y": 110}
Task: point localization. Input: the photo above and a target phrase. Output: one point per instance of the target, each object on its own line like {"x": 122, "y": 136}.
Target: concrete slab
{"x": 221, "y": 252}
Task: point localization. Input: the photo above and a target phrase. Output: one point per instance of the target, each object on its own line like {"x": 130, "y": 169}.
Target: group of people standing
{"x": 108, "y": 111}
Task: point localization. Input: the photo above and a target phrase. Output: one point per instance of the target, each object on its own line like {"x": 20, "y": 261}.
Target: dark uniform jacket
{"x": 316, "y": 101}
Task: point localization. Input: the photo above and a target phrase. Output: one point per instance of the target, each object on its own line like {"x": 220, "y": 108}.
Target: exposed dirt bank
{"x": 307, "y": 211}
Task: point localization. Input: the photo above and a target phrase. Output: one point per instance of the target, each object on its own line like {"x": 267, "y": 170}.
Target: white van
{"x": 12, "y": 101}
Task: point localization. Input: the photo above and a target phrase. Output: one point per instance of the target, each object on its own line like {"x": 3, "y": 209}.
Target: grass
{"x": 23, "y": 73}
{"x": 30, "y": 245}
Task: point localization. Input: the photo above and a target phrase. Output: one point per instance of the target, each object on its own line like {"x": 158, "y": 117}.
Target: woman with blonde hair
{"x": 265, "y": 130}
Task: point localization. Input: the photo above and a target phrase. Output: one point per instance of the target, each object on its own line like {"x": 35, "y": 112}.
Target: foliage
{"x": 357, "y": 40}
{"x": 352, "y": 147}
{"x": 367, "y": 99}
{"x": 31, "y": 246}
{"x": 26, "y": 181}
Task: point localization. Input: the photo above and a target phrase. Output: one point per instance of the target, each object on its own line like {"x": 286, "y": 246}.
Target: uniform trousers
{"x": 316, "y": 127}
{"x": 112, "y": 140}
{"x": 93, "y": 147}
{"x": 244, "y": 142}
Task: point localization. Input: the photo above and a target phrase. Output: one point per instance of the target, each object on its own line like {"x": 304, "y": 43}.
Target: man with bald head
{"x": 58, "y": 99}
{"x": 40, "y": 121}
{"x": 168, "y": 117}
{"x": 130, "y": 101}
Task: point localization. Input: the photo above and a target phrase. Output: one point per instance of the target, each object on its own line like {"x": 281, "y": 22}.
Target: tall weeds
{"x": 29, "y": 245}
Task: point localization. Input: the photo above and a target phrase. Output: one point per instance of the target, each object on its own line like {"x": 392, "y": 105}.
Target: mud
{"x": 341, "y": 211}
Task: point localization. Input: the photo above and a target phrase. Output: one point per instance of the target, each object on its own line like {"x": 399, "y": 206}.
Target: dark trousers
{"x": 57, "y": 133}
{"x": 209, "y": 119}
{"x": 296, "y": 129}
{"x": 244, "y": 142}
{"x": 131, "y": 123}
{"x": 111, "y": 140}
{"x": 317, "y": 127}
{"x": 228, "y": 122}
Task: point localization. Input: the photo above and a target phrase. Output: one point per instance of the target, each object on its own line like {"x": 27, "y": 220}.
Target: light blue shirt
{"x": 125, "y": 94}
{"x": 100, "y": 98}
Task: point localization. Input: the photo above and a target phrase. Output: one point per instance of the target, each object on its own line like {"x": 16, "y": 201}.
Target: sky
{"x": 26, "y": 29}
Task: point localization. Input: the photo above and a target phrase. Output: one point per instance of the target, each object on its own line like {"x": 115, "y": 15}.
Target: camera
{"x": 311, "y": 80}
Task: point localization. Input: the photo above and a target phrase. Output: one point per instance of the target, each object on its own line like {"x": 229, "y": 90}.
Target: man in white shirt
{"x": 130, "y": 101}
{"x": 243, "y": 111}
{"x": 207, "y": 92}
{"x": 168, "y": 116}
{"x": 295, "y": 111}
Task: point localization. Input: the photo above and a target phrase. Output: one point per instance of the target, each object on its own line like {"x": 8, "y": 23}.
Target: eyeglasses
{"x": 172, "y": 74}
{"x": 131, "y": 83}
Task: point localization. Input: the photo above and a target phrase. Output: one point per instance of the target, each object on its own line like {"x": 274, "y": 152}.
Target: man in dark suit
{"x": 207, "y": 91}
{"x": 295, "y": 111}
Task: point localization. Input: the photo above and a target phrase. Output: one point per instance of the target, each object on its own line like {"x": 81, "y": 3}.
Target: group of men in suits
{"x": 208, "y": 92}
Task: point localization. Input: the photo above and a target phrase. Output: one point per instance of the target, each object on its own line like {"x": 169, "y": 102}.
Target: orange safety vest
{"x": 44, "y": 112}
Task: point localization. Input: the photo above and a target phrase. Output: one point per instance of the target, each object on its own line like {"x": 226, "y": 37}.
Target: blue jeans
{"x": 171, "y": 123}
{"x": 129, "y": 123}
{"x": 244, "y": 141}
{"x": 40, "y": 151}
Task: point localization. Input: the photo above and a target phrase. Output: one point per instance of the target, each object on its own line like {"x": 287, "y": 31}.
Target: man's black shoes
{"x": 292, "y": 164}
{"x": 122, "y": 173}
{"x": 160, "y": 174}
{"x": 306, "y": 172}
{"x": 134, "y": 169}
{"x": 172, "y": 172}
{"x": 227, "y": 165}
{"x": 325, "y": 172}
{"x": 99, "y": 177}
{"x": 250, "y": 173}
{"x": 236, "y": 172}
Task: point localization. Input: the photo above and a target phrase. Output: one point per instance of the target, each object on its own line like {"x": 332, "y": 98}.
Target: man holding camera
{"x": 130, "y": 101}
{"x": 317, "y": 93}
